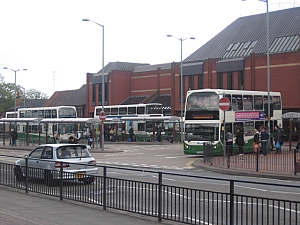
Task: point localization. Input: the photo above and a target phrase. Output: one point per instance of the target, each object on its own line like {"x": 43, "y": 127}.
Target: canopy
{"x": 291, "y": 115}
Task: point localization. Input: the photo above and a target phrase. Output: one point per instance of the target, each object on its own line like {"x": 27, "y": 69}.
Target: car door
{"x": 34, "y": 160}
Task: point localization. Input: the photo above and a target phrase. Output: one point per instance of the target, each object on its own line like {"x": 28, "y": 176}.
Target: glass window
{"x": 219, "y": 80}
{"x": 123, "y": 111}
{"x": 37, "y": 153}
{"x": 54, "y": 113}
{"x": 200, "y": 81}
{"x": 276, "y": 102}
{"x": 229, "y": 81}
{"x": 48, "y": 113}
{"x": 241, "y": 80}
{"x": 41, "y": 114}
{"x": 202, "y": 132}
{"x": 141, "y": 110}
{"x": 229, "y": 98}
{"x": 237, "y": 102}
{"x": 258, "y": 102}
{"x": 248, "y": 102}
{"x": 249, "y": 128}
{"x": 106, "y": 110}
{"x": 28, "y": 114}
{"x": 203, "y": 101}
{"x": 154, "y": 109}
{"x": 132, "y": 110}
{"x": 34, "y": 113}
{"x": 22, "y": 114}
{"x": 191, "y": 82}
{"x": 114, "y": 111}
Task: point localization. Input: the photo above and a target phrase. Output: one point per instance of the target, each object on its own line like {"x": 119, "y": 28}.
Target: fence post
{"x": 159, "y": 196}
{"x": 295, "y": 162}
{"x": 26, "y": 174}
{"x": 61, "y": 181}
{"x": 256, "y": 160}
{"x": 104, "y": 187}
{"x": 231, "y": 202}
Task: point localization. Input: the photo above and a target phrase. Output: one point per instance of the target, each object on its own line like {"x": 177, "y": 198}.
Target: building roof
{"x": 124, "y": 66}
{"x": 33, "y": 103}
{"x": 165, "y": 100}
{"x": 146, "y": 68}
{"x": 70, "y": 97}
{"x": 248, "y": 35}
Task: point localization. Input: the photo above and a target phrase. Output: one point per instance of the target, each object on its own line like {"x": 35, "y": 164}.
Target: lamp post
{"x": 6, "y": 68}
{"x": 102, "y": 101}
{"x": 181, "y": 83}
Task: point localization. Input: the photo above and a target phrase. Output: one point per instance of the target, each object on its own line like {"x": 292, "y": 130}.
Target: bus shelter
{"x": 16, "y": 121}
{"x": 294, "y": 118}
{"x": 39, "y": 121}
{"x": 152, "y": 119}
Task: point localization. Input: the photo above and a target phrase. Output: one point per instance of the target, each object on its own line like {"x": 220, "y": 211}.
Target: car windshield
{"x": 67, "y": 152}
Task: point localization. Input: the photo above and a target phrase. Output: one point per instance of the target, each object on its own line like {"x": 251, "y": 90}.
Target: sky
{"x": 50, "y": 40}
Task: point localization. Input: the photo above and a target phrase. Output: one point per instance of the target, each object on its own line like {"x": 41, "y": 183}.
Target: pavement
{"x": 17, "y": 207}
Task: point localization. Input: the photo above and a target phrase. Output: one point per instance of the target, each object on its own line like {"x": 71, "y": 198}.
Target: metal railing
{"x": 153, "y": 193}
{"x": 285, "y": 162}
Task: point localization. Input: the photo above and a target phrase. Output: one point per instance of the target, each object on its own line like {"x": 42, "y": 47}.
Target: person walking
{"x": 239, "y": 141}
{"x": 14, "y": 137}
{"x": 158, "y": 133}
{"x": 57, "y": 137}
{"x": 229, "y": 142}
{"x": 256, "y": 142}
{"x": 264, "y": 137}
{"x": 131, "y": 133}
{"x": 278, "y": 139}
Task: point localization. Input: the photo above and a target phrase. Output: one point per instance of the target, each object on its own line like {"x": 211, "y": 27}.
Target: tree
{"x": 7, "y": 95}
{"x": 35, "y": 94}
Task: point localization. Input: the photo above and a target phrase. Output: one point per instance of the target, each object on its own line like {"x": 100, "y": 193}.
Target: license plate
{"x": 79, "y": 175}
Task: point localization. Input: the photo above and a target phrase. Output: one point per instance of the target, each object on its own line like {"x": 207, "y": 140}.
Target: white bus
{"x": 55, "y": 112}
{"x": 142, "y": 128}
{"x": 204, "y": 121}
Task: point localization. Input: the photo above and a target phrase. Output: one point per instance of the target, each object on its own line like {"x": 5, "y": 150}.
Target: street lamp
{"x": 6, "y": 68}
{"x": 102, "y": 136}
{"x": 181, "y": 81}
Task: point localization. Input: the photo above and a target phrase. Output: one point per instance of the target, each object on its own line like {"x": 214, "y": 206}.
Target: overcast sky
{"x": 57, "y": 48}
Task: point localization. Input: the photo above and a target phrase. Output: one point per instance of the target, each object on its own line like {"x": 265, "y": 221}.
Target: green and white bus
{"x": 204, "y": 121}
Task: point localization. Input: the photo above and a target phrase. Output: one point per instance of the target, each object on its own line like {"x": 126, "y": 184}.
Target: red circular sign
{"x": 102, "y": 116}
{"x": 224, "y": 104}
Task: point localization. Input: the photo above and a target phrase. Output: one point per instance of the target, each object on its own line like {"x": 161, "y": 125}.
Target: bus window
{"x": 48, "y": 113}
{"x": 123, "y": 111}
{"x": 258, "y": 103}
{"x": 140, "y": 110}
{"x": 54, "y": 113}
{"x": 239, "y": 125}
{"x": 249, "y": 128}
{"x": 41, "y": 114}
{"x": 106, "y": 110}
{"x": 114, "y": 111}
{"x": 28, "y": 114}
{"x": 248, "y": 102}
{"x": 141, "y": 126}
{"x": 276, "y": 102}
{"x": 131, "y": 110}
{"x": 34, "y": 113}
{"x": 229, "y": 98}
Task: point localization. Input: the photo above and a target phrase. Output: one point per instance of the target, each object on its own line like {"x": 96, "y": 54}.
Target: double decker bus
{"x": 204, "y": 121}
{"x": 134, "y": 115}
{"x": 55, "y": 112}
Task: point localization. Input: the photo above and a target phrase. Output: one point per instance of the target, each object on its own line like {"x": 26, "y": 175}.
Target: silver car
{"x": 45, "y": 162}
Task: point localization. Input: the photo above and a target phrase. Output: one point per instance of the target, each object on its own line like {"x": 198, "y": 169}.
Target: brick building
{"x": 236, "y": 58}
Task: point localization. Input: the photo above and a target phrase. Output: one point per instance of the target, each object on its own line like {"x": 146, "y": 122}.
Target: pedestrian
{"x": 158, "y": 133}
{"x": 57, "y": 137}
{"x": 256, "y": 142}
{"x": 239, "y": 141}
{"x": 229, "y": 142}
{"x": 90, "y": 140}
{"x": 264, "y": 137}
{"x": 131, "y": 134}
{"x": 278, "y": 139}
{"x": 72, "y": 140}
{"x": 14, "y": 137}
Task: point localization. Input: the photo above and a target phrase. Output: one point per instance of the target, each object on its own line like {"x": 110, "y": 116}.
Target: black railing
{"x": 285, "y": 162}
{"x": 154, "y": 194}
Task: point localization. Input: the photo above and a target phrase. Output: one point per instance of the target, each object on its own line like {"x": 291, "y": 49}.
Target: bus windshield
{"x": 202, "y": 132}
{"x": 67, "y": 112}
{"x": 203, "y": 101}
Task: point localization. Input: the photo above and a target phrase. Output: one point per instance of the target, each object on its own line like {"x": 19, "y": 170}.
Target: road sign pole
{"x": 224, "y": 104}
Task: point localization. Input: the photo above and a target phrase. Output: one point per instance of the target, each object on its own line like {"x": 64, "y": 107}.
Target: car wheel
{"x": 48, "y": 178}
{"x": 19, "y": 174}
{"x": 88, "y": 180}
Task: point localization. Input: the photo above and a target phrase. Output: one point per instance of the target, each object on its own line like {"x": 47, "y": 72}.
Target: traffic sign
{"x": 102, "y": 116}
{"x": 224, "y": 104}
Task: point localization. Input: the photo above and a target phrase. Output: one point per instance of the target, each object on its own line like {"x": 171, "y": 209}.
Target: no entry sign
{"x": 224, "y": 104}
{"x": 102, "y": 116}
